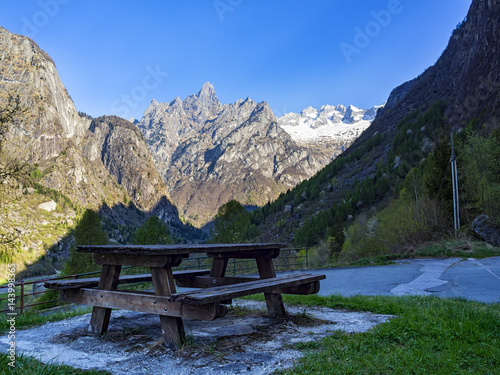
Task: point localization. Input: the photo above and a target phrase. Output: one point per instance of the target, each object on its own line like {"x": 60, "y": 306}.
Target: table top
{"x": 182, "y": 249}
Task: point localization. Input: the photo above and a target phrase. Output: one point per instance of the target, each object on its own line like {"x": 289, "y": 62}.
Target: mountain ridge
{"x": 209, "y": 153}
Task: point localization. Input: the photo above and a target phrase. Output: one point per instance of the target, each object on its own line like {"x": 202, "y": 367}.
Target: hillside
{"x": 461, "y": 89}
{"x": 71, "y": 163}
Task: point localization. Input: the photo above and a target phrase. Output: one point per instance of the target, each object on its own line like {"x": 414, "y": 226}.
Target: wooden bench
{"x": 180, "y": 276}
{"x": 300, "y": 283}
{"x": 214, "y": 288}
{"x": 201, "y": 304}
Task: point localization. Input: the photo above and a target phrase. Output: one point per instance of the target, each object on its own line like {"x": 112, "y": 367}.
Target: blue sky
{"x": 115, "y": 56}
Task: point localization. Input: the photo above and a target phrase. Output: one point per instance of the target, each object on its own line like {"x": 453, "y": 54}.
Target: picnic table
{"x": 213, "y": 290}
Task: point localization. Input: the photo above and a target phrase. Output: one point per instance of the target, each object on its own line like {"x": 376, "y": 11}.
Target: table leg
{"x": 274, "y": 301}
{"x": 172, "y": 328}
{"x": 100, "y": 315}
{"x": 218, "y": 269}
{"x": 219, "y": 266}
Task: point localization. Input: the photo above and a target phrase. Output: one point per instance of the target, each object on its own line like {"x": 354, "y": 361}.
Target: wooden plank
{"x": 142, "y": 302}
{"x": 127, "y": 279}
{"x": 181, "y": 249}
{"x": 138, "y": 260}
{"x": 172, "y": 327}
{"x": 210, "y": 282}
{"x": 304, "y": 289}
{"x": 108, "y": 280}
{"x": 271, "y": 285}
{"x": 274, "y": 301}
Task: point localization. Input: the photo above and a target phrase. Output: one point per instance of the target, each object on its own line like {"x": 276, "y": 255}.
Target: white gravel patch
{"x": 248, "y": 344}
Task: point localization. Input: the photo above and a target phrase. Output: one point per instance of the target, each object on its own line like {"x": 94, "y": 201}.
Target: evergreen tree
{"x": 335, "y": 237}
{"x": 153, "y": 232}
{"x": 232, "y": 223}
{"x": 87, "y": 232}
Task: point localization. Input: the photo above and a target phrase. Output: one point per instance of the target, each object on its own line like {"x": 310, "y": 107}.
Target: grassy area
{"x": 30, "y": 366}
{"x": 460, "y": 247}
{"x": 31, "y": 319}
{"x": 429, "y": 336}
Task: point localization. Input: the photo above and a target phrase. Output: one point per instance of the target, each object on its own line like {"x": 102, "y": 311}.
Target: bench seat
{"x": 126, "y": 279}
{"x": 204, "y": 304}
{"x": 301, "y": 283}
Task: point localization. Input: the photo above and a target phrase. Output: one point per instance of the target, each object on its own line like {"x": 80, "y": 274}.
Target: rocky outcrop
{"x": 484, "y": 228}
{"x": 209, "y": 153}
{"x": 466, "y": 76}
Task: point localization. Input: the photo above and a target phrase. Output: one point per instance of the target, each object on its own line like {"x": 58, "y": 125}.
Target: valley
{"x": 348, "y": 182}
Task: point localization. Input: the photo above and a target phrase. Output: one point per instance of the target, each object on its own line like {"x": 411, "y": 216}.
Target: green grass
{"x": 461, "y": 247}
{"x": 429, "y": 336}
{"x": 31, "y": 319}
{"x": 30, "y": 366}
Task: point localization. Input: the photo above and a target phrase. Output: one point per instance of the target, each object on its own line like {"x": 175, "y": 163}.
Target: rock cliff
{"x": 102, "y": 164}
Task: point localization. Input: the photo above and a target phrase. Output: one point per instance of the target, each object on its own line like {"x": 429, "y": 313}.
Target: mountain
{"x": 461, "y": 88}
{"x": 76, "y": 162}
{"x": 209, "y": 153}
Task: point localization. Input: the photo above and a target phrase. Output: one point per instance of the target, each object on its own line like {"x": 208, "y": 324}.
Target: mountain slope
{"x": 463, "y": 86}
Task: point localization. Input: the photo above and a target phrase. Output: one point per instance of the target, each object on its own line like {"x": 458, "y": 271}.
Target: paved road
{"x": 472, "y": 279}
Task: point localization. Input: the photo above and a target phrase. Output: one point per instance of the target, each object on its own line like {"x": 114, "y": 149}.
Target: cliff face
{"x": 89, "y": 161}
{"x": 119, "y": 145}
{"x": 49, "y": 132}
{"x": 466, "y": 77}
{"x": 103, "y": 164}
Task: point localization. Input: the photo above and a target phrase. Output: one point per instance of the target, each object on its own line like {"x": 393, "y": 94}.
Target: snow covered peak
{"x": 327, "y": 123}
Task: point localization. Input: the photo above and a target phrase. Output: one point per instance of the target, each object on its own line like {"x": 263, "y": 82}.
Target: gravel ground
{"x": 246, "y": 341}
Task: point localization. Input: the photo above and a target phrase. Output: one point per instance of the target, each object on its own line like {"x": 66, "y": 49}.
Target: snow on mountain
{"x": 329, "y": 123}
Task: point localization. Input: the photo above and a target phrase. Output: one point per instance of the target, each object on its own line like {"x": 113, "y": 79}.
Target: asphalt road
{"x": 473, "y": 279}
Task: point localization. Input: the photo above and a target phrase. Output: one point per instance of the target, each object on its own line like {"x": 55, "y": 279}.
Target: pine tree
{"x": 153, "y": 232}
{"x": 87, "y": 232}
{"x": 232, "y": 223}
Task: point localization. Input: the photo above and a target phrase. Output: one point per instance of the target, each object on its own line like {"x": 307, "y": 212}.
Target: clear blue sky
{"x": 115, "y": 56}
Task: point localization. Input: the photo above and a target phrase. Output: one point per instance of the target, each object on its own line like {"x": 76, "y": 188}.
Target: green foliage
{"x": 232, "y": 224}
{"x": 404, "y": 224}
{"x": 479, "y": 169}
{"x": 35, "y": 173}
{"x": 428, "y": 335}
{"x": 152, "y": 232}
{"x": 87, "y": 232}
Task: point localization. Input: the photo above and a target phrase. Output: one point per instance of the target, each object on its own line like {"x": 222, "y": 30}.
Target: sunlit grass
{"x": 25, "y": 365}
{"x": 429, "y": 336}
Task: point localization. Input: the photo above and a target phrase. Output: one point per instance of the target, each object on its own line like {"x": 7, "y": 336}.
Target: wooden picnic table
{"x": 214, "y": 288}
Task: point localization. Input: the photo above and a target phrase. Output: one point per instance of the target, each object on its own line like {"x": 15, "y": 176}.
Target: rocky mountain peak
{"x": 263, "y": 113}
{"x": 206, "y": 98}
